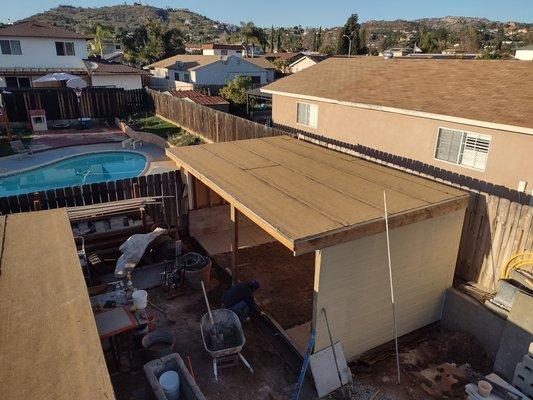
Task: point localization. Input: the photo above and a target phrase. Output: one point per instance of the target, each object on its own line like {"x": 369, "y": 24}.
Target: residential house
{"x": 283, "y": 59}
{"x": 471, "y": 118}
{"x": 305, "y": 62}
{"x": 192, "y": 48}
{"x": 217, "y": 49}
{"x": 30, "y": 50}
{"x": 185, "y": 70}
{"x": 524, "y": 53}
{"x": 110, "y": 74}
{"x": 215, "y": 102}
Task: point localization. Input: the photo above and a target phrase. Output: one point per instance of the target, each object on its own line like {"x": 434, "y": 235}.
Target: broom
{"x": 217, "y": 339}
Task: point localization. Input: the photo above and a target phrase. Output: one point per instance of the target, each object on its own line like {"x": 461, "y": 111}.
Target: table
{"x": 113, "y": 322}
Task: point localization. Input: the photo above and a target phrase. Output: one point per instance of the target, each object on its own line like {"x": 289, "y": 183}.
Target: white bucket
{"x": 170, "y": 382}
{"x": 140, "y": 299}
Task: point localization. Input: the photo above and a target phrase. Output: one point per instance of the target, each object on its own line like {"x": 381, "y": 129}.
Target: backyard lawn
{"x": 172, "y": 133}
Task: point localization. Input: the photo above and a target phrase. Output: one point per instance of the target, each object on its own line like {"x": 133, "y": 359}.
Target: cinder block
{"x": 523, "y": 375}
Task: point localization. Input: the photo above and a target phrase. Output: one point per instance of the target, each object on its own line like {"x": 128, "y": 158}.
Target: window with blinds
{"x": 463, "y": 148}
{"x": 307, "y": 114}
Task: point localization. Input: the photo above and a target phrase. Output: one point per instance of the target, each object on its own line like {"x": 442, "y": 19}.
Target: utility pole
{"x": 349, "y": 44}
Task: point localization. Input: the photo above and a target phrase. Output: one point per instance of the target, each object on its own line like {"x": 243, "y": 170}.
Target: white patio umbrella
{"x": 56, "y": 77}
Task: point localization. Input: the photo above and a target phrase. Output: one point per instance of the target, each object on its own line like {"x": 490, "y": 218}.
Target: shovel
{"x": 217, "y": 339}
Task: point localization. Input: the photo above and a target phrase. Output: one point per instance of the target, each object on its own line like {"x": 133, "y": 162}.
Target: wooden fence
{"x": 62, "y": 103}
{"x": 168, "y": 184}
{"x": 216, "y": 126}
{"x": 495, "y": 229}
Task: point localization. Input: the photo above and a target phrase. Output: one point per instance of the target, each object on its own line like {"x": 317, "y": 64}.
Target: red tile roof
{"x": 40, "y": 29}
{"x": 198, "y": 98}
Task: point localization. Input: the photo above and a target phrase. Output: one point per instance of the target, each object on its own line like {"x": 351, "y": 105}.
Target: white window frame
{"x": 10, "y": 43}
{"x": 310, "y": 124}
{"x": 465, "y": 134}
{"x": 64, "y": 45}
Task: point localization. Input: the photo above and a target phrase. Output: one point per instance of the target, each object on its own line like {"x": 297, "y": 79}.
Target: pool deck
{"x": 158, "y": 161}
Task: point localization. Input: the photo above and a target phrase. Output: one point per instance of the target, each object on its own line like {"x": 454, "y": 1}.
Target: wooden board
{"x": 309, "y": 197}
{"x": 49, "y": 345}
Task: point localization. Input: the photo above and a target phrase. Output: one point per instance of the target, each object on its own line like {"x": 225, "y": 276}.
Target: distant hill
{"x": 194, "y": 26}
{"x": 200, "y": 29}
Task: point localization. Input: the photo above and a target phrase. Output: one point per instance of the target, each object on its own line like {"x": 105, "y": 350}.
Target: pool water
{"x": 75, "y": 170}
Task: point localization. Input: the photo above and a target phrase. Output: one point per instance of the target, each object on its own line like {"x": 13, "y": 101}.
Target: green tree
{"x": 100, "y": 34}
{"x": 350, "y": 29}
{"x": 279, "y": 44}
{"x": 235, "y": 90}
{"x": 319, "y": 39}
{"x": 272, "y": 38}
{"x": 251, "y": 35}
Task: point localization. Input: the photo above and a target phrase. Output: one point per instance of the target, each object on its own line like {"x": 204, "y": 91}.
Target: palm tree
{"x": 100, "y": 33}
{"x": 250, "y": 35}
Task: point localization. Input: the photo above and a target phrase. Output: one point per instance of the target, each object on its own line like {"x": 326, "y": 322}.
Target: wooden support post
{"x": 234, "y": 215}
{"x": 136, "y": 190}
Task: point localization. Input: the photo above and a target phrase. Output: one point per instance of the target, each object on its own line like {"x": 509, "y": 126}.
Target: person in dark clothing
{"x": 240, "y": 298}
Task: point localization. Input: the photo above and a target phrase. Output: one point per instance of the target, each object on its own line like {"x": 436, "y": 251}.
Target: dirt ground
{"x": 434, "y": 364}
{"x": 286, "y": 291}
{"x": 275, "y": 370}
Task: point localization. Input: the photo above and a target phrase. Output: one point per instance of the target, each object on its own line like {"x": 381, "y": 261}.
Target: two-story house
{"x": 217, "y": 49}
{"x": 29, "y": 50}
{"x": 187, "y": 69}
{"x": 471, "y": 118}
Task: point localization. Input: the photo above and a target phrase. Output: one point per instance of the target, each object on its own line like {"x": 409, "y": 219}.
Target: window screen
{"x": 307, "y": 114}
{"x": 463, "y": 148}
{"x": 15, "y": 47}
{"x": 60, "y": 48}
{"x": 69, "y": 48}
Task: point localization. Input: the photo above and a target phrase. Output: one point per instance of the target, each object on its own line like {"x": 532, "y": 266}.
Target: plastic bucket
{"x": 140, "y": 299}
{"x": 170, "y": 382}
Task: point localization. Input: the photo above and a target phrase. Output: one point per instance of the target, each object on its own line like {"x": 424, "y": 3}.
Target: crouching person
{"x": 240, "y": 299}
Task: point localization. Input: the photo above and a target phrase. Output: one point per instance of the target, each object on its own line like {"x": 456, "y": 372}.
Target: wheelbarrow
{"x": 229, "y": 326}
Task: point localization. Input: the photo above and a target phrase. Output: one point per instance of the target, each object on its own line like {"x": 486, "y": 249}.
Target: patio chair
{"x": 21, "y": 148}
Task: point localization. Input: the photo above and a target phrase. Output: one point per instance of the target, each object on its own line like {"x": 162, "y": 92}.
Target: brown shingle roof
{"x": 189, "y": 61}
{"x": 484, "y": 90}
{"x": 260, "y": 62}
{"x": 39, "y": 29}
{"x": 100, "y": 67}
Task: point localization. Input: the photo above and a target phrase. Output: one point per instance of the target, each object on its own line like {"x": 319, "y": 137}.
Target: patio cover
{"x": 49, "y": 345}
{"x": 309, "y": 197}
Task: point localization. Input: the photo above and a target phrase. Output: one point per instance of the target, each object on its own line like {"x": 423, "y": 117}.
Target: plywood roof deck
{"x": 309, "y": 197}
{"x": 49, "y": 345}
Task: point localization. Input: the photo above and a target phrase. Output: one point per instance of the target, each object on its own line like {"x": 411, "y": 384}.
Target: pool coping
{"x": 149, "y": 160}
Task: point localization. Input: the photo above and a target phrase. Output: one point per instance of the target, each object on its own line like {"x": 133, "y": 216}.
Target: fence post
{"x": 37, "y": 201}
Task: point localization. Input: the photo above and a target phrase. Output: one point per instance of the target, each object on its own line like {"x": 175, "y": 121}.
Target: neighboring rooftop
{"x": 282, "y": 55}
{"x": 529, "y": 47}
{"x": 260, "y": 62}
{"x": 190, "y": 62}
{"x": 101, "y": 67}
{"x": 40, "y": 30}
{"x": 198, "y": 97}
{"x": 49, "y": 344}
{"x": 287, "y": 187}
{"x": 494, "y": 91}
{"x": 219, "y": 46}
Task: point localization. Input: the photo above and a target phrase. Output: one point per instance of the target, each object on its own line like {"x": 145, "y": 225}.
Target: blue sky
{"x": 305, "y": 12}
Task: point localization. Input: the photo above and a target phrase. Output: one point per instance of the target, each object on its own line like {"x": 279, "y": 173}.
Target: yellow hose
{"x": 516, "y": 262}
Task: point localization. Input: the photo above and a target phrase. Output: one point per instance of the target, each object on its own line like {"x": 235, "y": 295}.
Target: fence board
{"x": 151, "y": 185}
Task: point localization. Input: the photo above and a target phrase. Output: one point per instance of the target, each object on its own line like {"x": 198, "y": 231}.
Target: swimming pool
{"x": 75, "y": 170}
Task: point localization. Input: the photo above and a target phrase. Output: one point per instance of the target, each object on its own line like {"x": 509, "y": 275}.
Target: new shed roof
{"x": 309, "y": 197}
{"x": 494, "y": 91}
{"x": 49, "y": 344}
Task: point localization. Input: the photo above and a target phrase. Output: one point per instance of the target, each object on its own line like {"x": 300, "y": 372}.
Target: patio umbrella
{"x": 56, "y": 77}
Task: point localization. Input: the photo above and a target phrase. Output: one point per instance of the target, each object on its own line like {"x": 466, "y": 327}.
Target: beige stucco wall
{"x": 301, "y": 65}
{"x": 510, "y": 155}
{"x": 352, "y": 283}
